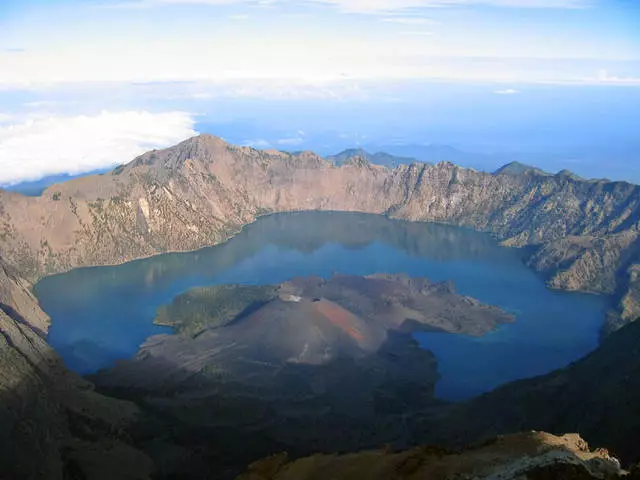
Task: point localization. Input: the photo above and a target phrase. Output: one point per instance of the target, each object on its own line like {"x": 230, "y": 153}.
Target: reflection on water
{"x": 103, "y": 314}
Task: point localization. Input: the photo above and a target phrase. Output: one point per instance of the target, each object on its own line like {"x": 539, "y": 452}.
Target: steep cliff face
{"x": 201, "y": 191}
{"x": 53, "y": 423}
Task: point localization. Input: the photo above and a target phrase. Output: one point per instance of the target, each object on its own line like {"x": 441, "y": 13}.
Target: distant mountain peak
{"x": 357, "y": 161}
{"x": 517, "y": 168}
{"x": 347, "y": 155}
{"x": 351, "y": 152}
{"x": 359, "y": 156}
{"x": 568, "y": 174}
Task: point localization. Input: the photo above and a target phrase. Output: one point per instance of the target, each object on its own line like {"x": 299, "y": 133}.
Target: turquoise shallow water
{"x": 103, "y": 314}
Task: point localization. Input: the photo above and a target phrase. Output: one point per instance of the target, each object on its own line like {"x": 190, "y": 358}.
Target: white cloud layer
{"x": 46, "y": 146}
{"x": 605, "y": 78}
{"x": 508, "y": 91}
{"x": 409, "y": 20}
{"x": 389, "y": 6}
{"x": 363, "y": 6}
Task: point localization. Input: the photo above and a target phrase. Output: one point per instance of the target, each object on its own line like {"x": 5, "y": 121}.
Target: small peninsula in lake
{"x": 307, "y": 320}
{"x": 309, "y": 363}
{"x": 375, "y": 303}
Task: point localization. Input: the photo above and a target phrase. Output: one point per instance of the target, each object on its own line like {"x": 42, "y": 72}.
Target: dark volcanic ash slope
{"x": 306, "y": 321}
{"x": 309, "y": 365}
{"x": 203, "y": 190}
{"x": 386, "y": 301}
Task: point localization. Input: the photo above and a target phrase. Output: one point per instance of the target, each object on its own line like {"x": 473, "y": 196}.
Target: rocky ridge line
{"x": 203, "y": 190}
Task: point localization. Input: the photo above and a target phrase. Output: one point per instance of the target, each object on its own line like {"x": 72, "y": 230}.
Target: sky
{"x": 89, "y": 84}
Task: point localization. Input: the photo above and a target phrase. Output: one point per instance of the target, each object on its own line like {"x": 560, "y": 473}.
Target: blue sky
{"x": 553, "y": 78}
{"x": 319, "y": 40}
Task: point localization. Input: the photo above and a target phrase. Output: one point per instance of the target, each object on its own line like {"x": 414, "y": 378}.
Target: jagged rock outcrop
{"x": 532, "y": 455}
{"x": 53, "y": 424}
{"x": 203, "y": 190}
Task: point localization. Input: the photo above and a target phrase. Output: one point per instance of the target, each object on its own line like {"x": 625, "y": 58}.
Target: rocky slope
{"x": 203, "y": 190}
{"x": 534, "y": 456}
{"x": 53, "y": 424}
{"x": 598, "y": 396}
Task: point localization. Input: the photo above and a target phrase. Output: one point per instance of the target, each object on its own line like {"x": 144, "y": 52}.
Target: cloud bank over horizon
{"x": 551, "y": 78}
{"x": 71, "y": 145}
{"x": 360, "y": 6}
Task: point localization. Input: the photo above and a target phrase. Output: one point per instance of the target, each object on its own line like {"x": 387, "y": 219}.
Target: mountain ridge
{"x": 203, "y": 190}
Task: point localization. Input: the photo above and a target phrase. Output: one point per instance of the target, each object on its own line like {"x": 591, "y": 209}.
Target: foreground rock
{"x": 534, "y": 456}
{"x": 203, "y": 190}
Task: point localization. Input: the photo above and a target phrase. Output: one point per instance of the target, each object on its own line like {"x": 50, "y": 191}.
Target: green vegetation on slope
{"x": 210, "y": 307}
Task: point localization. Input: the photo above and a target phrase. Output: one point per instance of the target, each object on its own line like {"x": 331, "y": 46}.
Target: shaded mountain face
{"x": 598, "y": 396}
{"x": 203, "y": 190}
{"x": 53, "y": 424}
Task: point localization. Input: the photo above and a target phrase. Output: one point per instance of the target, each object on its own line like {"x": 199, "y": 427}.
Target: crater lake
{"x": 102, "y": 314}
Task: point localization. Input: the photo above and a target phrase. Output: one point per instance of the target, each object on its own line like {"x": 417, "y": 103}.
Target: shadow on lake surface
{"x": 102, "y": 314}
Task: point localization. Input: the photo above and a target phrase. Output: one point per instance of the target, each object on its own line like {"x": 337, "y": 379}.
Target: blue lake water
{"x": 103, "y": 314}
